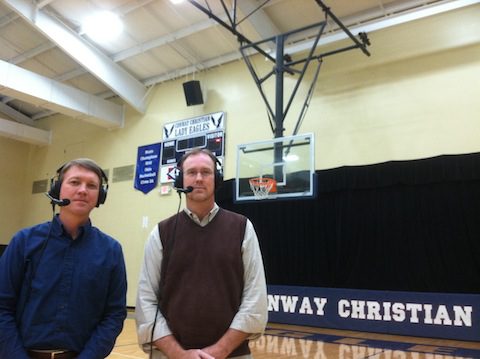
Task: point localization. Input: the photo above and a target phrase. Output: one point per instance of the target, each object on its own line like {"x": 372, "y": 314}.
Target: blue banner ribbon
{"x": 148, "y": 161}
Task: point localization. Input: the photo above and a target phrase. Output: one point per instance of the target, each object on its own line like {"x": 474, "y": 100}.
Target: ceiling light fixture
{"x": 176, "y": 2}
{"x": 102, "y": 26}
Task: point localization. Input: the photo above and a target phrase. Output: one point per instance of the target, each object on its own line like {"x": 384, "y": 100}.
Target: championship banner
{"x": 434, "y": 315}
{"x": 146, "y": 173}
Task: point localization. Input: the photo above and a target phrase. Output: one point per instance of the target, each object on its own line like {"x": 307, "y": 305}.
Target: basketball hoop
{"x": 261, "y": 187}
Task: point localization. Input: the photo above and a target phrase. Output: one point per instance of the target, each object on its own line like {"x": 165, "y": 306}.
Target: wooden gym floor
{"x": 286, "y": 341}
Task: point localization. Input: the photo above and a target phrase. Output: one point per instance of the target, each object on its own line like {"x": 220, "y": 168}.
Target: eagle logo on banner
{"x": 167, "y": 131}
{"x": 217, "y": 121}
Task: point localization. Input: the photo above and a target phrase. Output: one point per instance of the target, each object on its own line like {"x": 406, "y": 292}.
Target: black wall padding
{"x": 400, "y": 225}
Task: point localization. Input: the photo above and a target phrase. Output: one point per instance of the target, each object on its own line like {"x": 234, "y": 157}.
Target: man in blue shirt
{"x": 63, "y": 283}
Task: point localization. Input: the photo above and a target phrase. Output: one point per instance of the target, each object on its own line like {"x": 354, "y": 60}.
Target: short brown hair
{"x": 86, "y": 163}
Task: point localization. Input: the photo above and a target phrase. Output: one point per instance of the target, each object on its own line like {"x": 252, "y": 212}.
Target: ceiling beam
{"x": 164, "y": 40}
{"x": 392, "y": 20}
{"x": 98, "y": 64}
{"x": 24, "y": 133}
{"x": 15, "y": 115}
{"x": 257, "y": 17}
{"x": 210, "y": 63}
{"x": 50, "y": 94}
{"x": 31, "y": 53}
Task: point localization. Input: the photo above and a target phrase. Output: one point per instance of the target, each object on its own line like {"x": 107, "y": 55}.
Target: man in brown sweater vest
{"x": 202, "y": 291}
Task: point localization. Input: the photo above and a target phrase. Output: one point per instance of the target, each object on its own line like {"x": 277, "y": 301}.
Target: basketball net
{"x": 261, "y": 187}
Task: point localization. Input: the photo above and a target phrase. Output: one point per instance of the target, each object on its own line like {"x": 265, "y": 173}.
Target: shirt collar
{"x": 59, "y": 229}
{"x": 207, "y": 219}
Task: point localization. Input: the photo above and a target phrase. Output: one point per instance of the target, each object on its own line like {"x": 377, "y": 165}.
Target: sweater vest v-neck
{"x": 202, "y": 277}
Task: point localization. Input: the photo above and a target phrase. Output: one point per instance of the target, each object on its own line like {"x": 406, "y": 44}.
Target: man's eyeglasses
{"x": 203, "y": 173}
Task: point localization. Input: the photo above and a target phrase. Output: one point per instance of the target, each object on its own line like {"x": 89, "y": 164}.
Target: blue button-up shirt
{"x": 60, "y": 293}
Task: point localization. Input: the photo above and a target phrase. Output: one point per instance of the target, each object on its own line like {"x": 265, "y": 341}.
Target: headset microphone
{"x": 58, "y": 202}
{"x": 185, "y": 190}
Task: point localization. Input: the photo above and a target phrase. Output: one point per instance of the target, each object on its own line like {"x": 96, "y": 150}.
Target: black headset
{"x": 218, "y": 168}
{"x": 56, "y": 184}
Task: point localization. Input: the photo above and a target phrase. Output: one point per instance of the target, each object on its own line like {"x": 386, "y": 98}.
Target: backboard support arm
{"x": 282, "y": 62}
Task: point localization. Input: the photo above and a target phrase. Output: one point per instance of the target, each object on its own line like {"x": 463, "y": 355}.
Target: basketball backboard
{"x": 288, "y": 161}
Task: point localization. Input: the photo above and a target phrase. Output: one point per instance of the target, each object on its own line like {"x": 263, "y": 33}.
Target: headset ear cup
{"x": 102, "y": 193}
{"x": 55, "y": 189}
{"x": 218, "y": 179}
{"x": 178, "y": 180}
{"x": 102, "y": 196}
{"x": 218, "y": 174}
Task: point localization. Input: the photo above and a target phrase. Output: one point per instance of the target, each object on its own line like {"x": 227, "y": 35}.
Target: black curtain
{"x": 400, "y": 225}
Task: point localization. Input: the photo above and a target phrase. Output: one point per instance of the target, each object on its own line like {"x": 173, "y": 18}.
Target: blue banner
{"x": 434, "y": 315}
{"x": 146, "y": 173}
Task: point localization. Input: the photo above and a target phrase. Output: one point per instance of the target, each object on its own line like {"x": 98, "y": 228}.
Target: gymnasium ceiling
{"x": 48, "y": 66}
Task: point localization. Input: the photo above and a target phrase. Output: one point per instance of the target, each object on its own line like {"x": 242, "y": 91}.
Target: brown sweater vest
{"x": 202, "y": 277}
